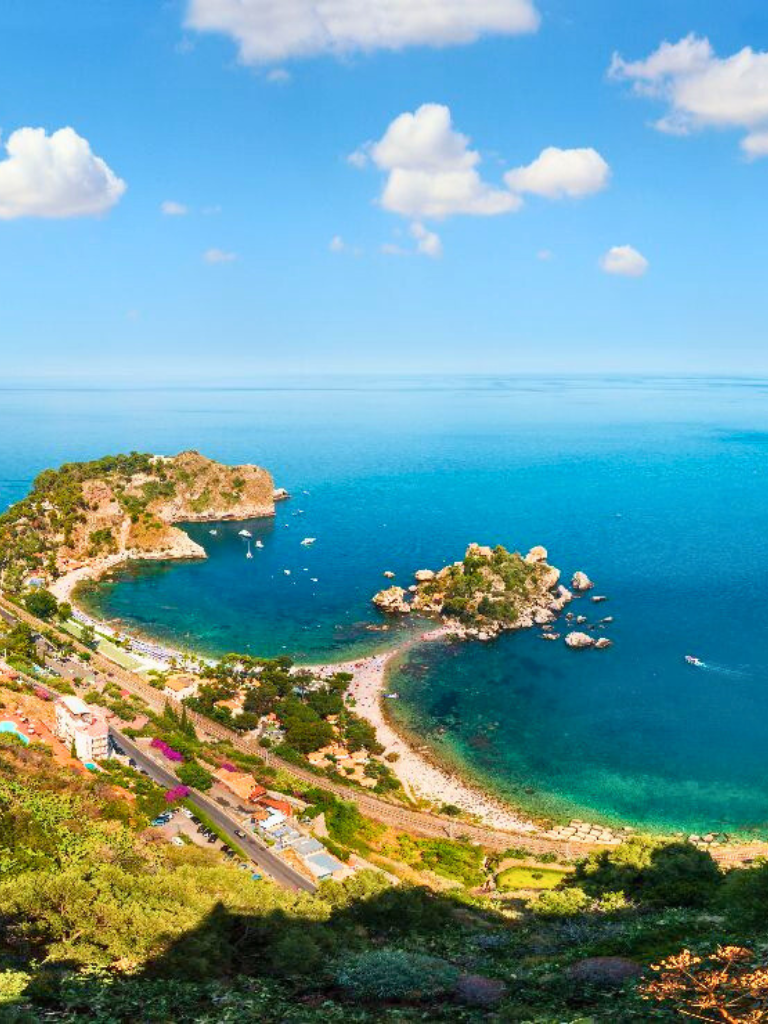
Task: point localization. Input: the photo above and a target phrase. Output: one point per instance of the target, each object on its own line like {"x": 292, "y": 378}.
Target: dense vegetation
{"x": 31, "y": 529}
{"x": 487, "y": 587}
{"x": 101, "y": 921}
{"x": 311, "y": 712}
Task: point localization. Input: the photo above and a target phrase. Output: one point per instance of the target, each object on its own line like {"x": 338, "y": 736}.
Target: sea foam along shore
{"x": 421, "y": 778}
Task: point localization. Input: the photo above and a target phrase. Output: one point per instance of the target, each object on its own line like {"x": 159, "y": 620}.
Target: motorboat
{"x": 308, "y": 542}
{"x": 691, "y": 660}
{"x": 250, "y": 553}
{"x": 259, "y": 544}
{"x": 213, "y": 533}
{"x": 245, "y": 533}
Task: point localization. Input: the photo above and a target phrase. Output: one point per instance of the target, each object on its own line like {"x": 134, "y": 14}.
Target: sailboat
{"x": 250, "y": 553}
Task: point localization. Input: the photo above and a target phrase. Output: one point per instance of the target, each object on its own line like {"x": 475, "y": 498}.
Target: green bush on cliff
{"x": 652, "y": 872}
{"x": 393, "y": 974}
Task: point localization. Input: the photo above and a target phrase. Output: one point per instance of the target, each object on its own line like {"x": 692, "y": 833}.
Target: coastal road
{"x": 261, "y": 855}
{"x": 420, "y": 823}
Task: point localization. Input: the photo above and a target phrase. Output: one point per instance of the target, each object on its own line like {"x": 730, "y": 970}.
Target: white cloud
{"x": 557, "y": 173}
{"x": 337, "y": 244}
{"x": 427, "y": 242}
{"x": 54, "y": 175}
{"x": 703, "y": 90}
{"x": 266, "y": 31}
{"x": 544, "y": 255}
{"x": 219, "y": 256}
{"x": 625, "y": 261}
{"x": 171, "y": 208}
{"x": 279, "y": 76}
{"x": 755, "y": 144}
{"x": 431, "y": 171}
{"x": 359, "y": 158}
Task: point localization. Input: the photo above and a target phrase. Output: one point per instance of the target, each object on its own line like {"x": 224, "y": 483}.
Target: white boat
{"x": 694, "y": 661}
{"x": 314, "y": 579}
{"x": 287, "y": 572}
{"x": 259, "y": 544}
{"x": 213, "y": 533}
{"x": 250, "y": 553}
{"x": 246, "y": 533}
{"x": 392, "y": 696}
{"x": 308, "y": 541}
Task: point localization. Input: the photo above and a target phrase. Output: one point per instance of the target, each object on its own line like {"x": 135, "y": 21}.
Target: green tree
{"x": 88, "y": 636}
{"x": 41, "y": 603}
{"x": 194, "y": 775}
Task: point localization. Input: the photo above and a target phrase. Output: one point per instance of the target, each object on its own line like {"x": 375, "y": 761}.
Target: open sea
{"x": 657, "y": 488}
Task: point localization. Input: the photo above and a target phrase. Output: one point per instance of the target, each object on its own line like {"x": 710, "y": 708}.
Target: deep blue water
{"x": 656, "y": 488}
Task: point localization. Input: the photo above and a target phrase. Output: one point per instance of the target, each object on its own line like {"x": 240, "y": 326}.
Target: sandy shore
{"x": 420, "y": 777}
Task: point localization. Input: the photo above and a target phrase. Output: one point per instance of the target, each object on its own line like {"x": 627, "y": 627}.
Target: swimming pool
{"x": 11, "y": 727}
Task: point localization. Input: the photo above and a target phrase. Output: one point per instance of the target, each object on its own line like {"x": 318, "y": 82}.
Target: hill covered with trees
{"x": 102, "y": 921}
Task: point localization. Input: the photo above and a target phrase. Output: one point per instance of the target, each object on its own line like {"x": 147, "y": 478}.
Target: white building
{"x": 83, "y": 725}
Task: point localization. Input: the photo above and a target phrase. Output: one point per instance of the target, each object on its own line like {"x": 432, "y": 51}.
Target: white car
{"x": 177, "y": 841}
{"x": 186, "y": 812}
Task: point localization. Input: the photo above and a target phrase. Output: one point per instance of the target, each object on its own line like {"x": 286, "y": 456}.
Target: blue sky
{"x": 98, "y": 283}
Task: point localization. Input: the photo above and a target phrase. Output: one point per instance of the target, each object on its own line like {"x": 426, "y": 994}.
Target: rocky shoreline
{"x": 499, "y": 592}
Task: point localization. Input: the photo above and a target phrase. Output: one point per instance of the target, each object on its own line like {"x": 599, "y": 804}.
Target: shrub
{"x": 560, "y": 903}
{"x": 393, "y": 974}
{"x": 744, "y": 897}
{"x": 653, "y": 872}
{"x": 194, "y": 775}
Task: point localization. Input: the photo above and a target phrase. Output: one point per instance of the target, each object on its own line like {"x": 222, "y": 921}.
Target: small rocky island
{"x": 86, "y": 517}
{"x": 490, "y": 591}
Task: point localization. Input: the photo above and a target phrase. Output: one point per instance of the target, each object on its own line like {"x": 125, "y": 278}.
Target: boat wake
{"x": 721, "y": 670}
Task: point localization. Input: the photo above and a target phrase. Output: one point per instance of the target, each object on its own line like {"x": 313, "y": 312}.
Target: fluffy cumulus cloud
{"x": 54, "y": 175}
{"x": 433, "y": 173}
{"x": 558, "y": 173}
{"x": 267, "y": 31}
{"x": 625, "y": 261}
{"x": 703, "y": 90}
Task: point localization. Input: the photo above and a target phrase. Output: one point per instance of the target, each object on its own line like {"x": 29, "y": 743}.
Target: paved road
{"x": 261, "y": 855}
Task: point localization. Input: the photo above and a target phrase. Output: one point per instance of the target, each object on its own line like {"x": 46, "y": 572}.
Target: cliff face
{"x": 134, "y": 517}
{"x": 92, "y": 515}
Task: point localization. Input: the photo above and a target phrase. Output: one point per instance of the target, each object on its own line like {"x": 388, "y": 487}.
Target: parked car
{"x": 187, "y": 813}
{"x": 212, "y": 838}
{"x": 177, "y": 841}
{"x": 239, "y": 833}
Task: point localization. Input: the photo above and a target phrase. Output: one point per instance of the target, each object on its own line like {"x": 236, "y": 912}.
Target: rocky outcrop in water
{"x": 489, "y": 591}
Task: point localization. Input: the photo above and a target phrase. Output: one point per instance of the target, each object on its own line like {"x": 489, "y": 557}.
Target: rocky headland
{"x": 85, "y": 518}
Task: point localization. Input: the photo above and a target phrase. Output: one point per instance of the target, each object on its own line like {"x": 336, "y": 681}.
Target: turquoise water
{"x": 656, "y": 488}
{"x": 10, "y": 727}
